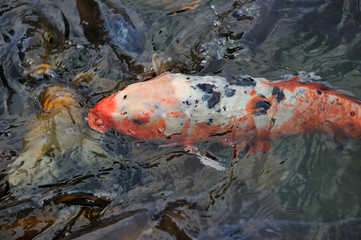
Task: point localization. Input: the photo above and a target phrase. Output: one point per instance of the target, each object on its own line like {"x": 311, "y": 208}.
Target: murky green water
{"x": 61, "y": 180}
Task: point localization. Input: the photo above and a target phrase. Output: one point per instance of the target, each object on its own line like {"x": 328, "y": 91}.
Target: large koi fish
{"x": 242, "y": 112}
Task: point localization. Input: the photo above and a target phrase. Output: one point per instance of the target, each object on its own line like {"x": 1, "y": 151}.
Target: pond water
{"x": 59, "y": 179}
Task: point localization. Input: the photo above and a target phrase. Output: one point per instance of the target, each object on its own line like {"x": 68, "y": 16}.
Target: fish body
{"x": 55, "y": 130}
{"x": 242, "y": 112}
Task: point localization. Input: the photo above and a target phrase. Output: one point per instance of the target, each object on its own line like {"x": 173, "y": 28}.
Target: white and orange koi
{"x": 242, "y": 112}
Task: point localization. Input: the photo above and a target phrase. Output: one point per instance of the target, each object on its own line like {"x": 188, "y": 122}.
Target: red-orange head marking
{"x": 99, "y": 116}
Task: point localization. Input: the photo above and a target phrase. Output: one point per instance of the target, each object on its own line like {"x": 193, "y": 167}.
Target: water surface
{"x": 62, "y": 180}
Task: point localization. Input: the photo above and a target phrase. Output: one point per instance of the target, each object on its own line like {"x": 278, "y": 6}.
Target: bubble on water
{"x": 216, "y": 23}
{"x": 214, "y": 9}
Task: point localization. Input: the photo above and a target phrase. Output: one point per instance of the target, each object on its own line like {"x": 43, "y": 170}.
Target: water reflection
{"x": 107, "y": 24}
{"x": 32, "y": 33}
{"x": 60, "y": 179}
{"x": 335, "y": 187}
{"x": 215, "y": 39}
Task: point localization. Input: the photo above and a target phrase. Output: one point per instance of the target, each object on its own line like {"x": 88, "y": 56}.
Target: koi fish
{"x": 53, "y": 132}
{"x": 242, "y": 112}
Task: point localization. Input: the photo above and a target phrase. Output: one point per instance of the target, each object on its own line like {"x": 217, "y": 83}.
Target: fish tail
{"x": 343, "y": 118}
{"x": 337, "y": 114}
{"x": 315, "y": 107}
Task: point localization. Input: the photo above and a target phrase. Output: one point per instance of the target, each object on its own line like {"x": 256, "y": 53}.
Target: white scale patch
{"x": 200, "y": 107}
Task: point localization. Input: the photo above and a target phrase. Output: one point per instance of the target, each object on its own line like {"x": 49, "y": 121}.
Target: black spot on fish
{"x": 241, "y": 81}
{"x": 324, "y": 88}
{"x": 210, "y": 120}
{"x": 137, "y": 121}
{"x": 214, "y": 99}
{"x": 196, "y": 101}
{"x": 261, "y": 107}
{"x": 352, "y": 113}
{"x": 229, "y": 92}
{"x": 206, "y": 87}
{"x": 224, "y": 108}
{"x": 263, "y": 104}
{"x": 276, "y": 91}
{"x": 319, "y": 92}
{"x": 125, "y": 96}
{"x": 187, "y": 102}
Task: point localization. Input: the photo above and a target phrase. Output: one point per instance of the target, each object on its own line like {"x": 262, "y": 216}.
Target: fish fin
{"x": 335, "y": 134}
{"x": 336, "y": 139}
{"x": 172, "y": 144}
{"x": 211, "y": 163}
{"x": 255, "y": 145}
{"x": 204, "y": 159}
{"x": 337, "y": 142}
{"x": 156, "y": 63}
{"x": 190, "y": 6}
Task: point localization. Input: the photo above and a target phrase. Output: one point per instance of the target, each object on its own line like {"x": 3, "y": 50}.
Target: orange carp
{"x": 242, "y": 112}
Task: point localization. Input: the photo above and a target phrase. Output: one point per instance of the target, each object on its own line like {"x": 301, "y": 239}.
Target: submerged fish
{"x": 53, "y": 132}
{"x": 242, "y": 112}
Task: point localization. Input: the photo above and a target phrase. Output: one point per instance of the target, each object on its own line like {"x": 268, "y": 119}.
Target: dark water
{"x": 59, "y": 179}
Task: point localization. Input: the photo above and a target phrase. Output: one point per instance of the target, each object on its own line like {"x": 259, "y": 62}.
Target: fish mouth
{"x": 97, "y": 122}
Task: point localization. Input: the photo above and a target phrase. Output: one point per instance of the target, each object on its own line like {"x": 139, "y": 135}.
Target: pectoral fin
{"x": 202, "y": 156}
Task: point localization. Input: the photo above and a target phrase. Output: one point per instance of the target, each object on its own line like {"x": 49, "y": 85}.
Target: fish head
{"x": 100, "y": 116}
{"x": 129, "y": 117}
{"x": 146, "y": 110}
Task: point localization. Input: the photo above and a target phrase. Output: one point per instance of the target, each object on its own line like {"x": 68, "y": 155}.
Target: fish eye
{"x": 49, "y": 37}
